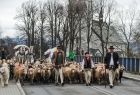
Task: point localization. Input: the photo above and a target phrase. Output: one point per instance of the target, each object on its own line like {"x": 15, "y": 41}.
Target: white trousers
{"x": 87, "y": 73}
{"x": 59, "y": 73}
{"x": 111, "y": 76}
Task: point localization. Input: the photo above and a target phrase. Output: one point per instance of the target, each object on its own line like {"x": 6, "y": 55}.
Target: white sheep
{"x": 4, "y": 70}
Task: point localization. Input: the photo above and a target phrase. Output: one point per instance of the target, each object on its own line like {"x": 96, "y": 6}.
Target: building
{"x": 115, "y": 39}
{"x": 135, "y": 47}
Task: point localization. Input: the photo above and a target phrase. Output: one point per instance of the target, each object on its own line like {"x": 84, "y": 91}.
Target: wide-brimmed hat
{"x": 58, "y": 47}
{"x": 111, "y": 47}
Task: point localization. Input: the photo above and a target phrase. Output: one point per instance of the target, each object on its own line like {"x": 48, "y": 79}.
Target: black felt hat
{"x": 111, "y": 47}
{"x": 58, "y": 47}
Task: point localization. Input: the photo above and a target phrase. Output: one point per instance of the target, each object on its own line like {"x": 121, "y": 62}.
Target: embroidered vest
{"x": 87, "y": 63}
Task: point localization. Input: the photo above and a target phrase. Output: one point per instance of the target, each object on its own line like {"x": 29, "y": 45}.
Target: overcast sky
{"x": 8, "y": 11}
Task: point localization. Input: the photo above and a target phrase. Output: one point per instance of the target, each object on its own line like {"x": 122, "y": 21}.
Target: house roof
{"x": 94, "y": 51}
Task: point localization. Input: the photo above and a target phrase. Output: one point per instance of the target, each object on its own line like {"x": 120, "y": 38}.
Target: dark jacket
{"x": 3, "y": 54}
{"x": 115, "y": 59}
{"x": 87, "y": 63}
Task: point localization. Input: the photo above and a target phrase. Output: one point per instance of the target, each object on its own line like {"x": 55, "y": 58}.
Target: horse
{"x": 21, "y": 55}
{"x": 29, "y": 55}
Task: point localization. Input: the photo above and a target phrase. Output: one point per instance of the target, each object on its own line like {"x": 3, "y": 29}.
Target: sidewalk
{"x": 11, "y": 89}
{"x": 135, "y": 77}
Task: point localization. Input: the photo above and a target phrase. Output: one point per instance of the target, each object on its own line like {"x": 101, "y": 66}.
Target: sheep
{"x": 4, "y": 70}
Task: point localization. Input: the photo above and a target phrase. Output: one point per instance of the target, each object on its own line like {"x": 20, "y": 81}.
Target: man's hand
{"x": 94, "y": 67}
{"x": 106, "y": 66}
{"x": 53, "y": 64}
{"x": 62, "y": 65}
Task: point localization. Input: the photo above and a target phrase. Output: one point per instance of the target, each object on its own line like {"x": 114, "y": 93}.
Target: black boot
{"x": 87, "y": 84}
{"x": 111, "y": 86}
{"x": 62, "y": 84}
{"x": 56, "y": 84}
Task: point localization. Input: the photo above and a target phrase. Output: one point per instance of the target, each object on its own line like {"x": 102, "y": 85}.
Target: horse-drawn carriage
{"x": 24, "y": 53}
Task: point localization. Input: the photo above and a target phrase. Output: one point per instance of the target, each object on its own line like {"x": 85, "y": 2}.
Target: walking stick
{"x": 105, "y": 76}
{"x": 105, "y": 73}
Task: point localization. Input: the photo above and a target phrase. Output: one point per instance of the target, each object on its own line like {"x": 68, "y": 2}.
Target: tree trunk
{"x": 88, "y": 39}
{"x": 128, "y": 49}
{"x": 29, "y": 41}
{"x": 41, "y": 40}
{"x": 32, "y": 42}
{"x": 55, "y": 34}
{"x": 80, "y": 34}
{"x": 52, "y": 34}
{"x": 102, "y": 44}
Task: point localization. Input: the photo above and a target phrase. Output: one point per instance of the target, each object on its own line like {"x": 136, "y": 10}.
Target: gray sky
{"x": 8, "y": 11}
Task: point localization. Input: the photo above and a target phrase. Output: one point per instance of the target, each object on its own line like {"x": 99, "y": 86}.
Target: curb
{"x": 20, "y": 88}
{"x": 131, "y": 78}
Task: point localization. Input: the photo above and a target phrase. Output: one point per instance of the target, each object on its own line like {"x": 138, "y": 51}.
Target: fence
{"x": 131, "y": 64}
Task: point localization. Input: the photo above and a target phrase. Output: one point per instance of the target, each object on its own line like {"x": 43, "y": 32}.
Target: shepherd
{"x": 111, "y": 61}
{"x": 59, "y": 63}
{"x": 87, "y": 66}
{"x": 3, "y": 54}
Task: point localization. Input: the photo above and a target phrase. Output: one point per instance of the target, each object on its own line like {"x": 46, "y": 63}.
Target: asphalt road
{"x": 128, "y": 87}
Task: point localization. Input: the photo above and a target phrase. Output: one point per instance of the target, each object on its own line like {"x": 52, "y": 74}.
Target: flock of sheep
{"x": 43, "y": 71}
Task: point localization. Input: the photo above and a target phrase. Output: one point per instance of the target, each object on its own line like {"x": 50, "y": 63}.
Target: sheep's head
{"x": 4, "y": 65}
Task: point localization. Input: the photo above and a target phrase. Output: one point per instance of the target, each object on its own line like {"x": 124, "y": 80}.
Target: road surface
{"x": 128, "y": 87}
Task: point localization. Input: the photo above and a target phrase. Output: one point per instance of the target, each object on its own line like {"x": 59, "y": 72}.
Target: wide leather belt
{"x": 111, "y": 67}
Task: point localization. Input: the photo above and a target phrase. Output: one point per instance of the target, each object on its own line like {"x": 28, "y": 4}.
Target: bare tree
{"x": 126, "y": 27}
{"x": 27, "y": 16}
{"x": 81, "y": 8}
{"x": 50, "y": 17}
{"x": 55, "y": 18}
{"x": 65, "y": 24}
{"x": 89, "y": 19}
{"x": 97, "y": 26}
{"x": 110, "y": 13}
{"x": 102, "y": 22}
{"x": 42, "y": 24}
{"x": 73, "y": 22}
